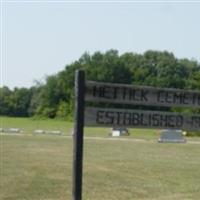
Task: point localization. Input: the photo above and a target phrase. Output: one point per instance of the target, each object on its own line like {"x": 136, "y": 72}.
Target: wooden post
{"x": 78, "y": 135}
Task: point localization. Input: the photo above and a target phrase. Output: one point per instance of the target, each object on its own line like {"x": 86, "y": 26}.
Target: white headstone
{"x": 39, "y": 131}
{"x": 115, "y": 133}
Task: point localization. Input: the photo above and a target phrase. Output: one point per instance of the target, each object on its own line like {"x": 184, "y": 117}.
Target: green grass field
{"x": 28, "y": 125}
{"x": 40, "y": 167}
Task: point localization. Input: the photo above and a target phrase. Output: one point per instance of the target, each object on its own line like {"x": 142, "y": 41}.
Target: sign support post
{"x": 78, "y": 135}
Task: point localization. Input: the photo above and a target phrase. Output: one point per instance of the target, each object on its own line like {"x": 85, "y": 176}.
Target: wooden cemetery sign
{"x": 109, "y": 117}
{"x": 106, "y": 117}
{"x": 142, "y": 95}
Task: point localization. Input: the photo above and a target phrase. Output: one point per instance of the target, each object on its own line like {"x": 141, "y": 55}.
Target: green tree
{"x": 55, "y": 98}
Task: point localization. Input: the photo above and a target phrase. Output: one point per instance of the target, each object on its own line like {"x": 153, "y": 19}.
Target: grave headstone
{"x": 39, "y": 131}
{"x": 171, "y": 136}
{"x": 116, "y": 132}
{"x": 56, "y": 132}
{"x": 11, "y": 130}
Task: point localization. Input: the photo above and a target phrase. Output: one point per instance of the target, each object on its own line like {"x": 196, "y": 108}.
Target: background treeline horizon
{"x": 55, "y": 97}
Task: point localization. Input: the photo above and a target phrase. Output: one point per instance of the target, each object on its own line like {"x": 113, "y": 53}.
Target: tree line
{"x": 55, "y": 97}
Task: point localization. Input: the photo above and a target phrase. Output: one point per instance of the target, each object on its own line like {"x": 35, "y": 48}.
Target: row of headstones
{"x": 47, "y": 132}
{"x": 35, "y": 132}
{"x": 166, "y": 135}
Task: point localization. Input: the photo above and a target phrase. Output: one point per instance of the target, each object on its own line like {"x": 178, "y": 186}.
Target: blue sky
{"x": 39, "y": 38}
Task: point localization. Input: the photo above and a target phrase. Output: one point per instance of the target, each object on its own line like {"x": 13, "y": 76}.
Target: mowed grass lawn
{"x": 29, "y": 125}
{"x": 40, "y": 167}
